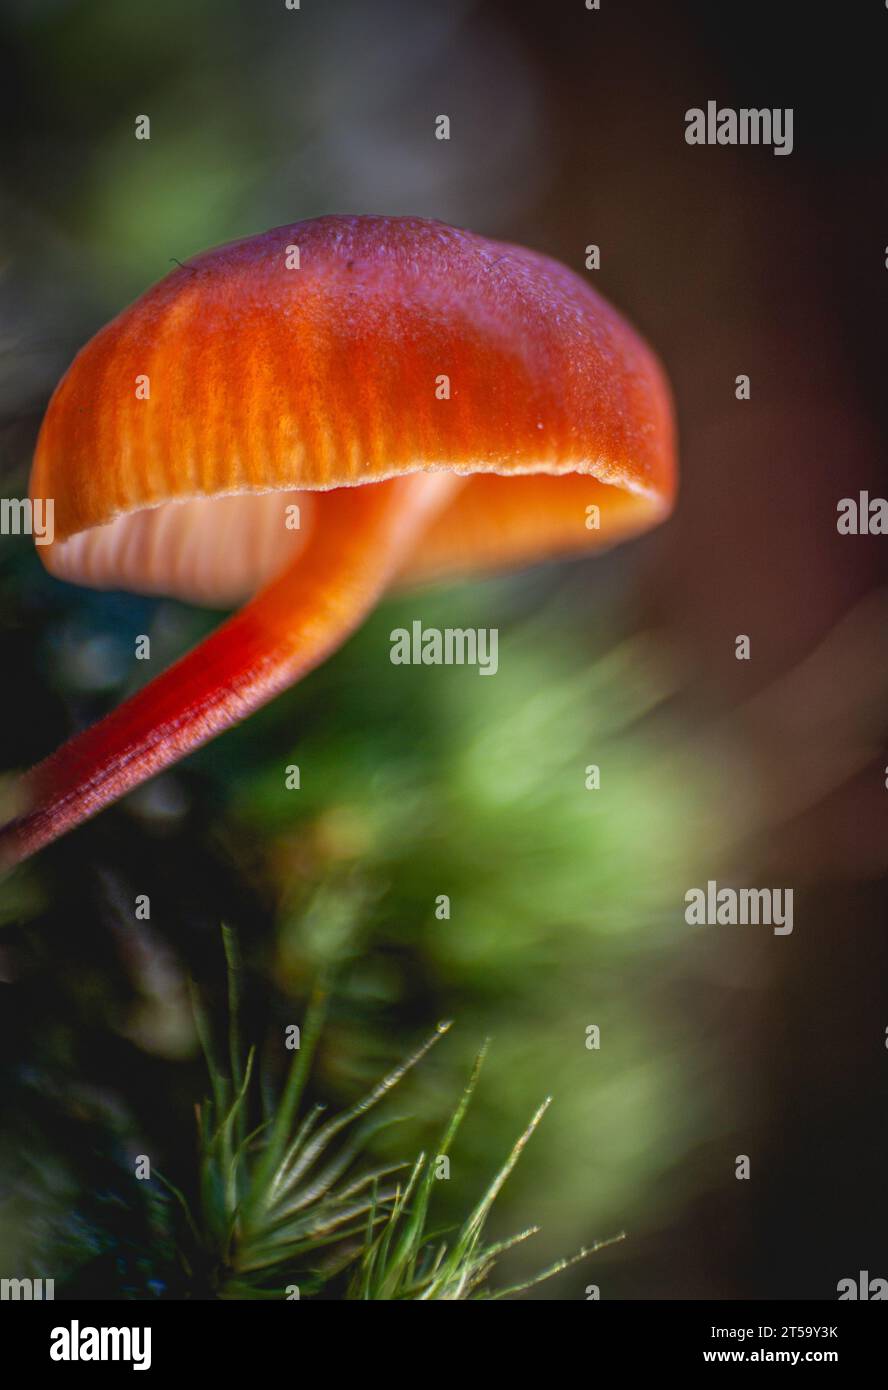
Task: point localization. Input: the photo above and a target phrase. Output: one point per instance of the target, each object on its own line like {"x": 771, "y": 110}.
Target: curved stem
{"x": 359, "y": 537}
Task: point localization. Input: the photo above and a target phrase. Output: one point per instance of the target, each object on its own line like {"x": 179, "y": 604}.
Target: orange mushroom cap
{"x": 486, "y": 392}
{"x": 265, "y": 379}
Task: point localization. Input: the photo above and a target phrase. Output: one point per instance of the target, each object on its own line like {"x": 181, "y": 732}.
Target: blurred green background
{"x": 567, "y": 904}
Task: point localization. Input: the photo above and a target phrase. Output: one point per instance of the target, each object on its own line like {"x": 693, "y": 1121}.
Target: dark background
{"x": 567, "y": 128}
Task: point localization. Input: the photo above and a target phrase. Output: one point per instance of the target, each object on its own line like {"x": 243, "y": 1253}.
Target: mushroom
{"x": 424, "y": 401}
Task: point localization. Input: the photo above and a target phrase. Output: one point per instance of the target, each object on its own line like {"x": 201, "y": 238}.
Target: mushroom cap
{"x": 242, "y": 384}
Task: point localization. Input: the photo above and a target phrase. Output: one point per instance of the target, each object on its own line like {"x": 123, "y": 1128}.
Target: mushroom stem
{"x": 359, "y": 538}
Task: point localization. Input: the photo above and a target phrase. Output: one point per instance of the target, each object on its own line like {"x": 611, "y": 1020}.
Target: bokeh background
{"x": 567, "y": 129}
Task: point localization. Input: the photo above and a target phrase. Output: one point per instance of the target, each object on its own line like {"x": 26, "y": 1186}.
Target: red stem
{"x": 359, "y": 537}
